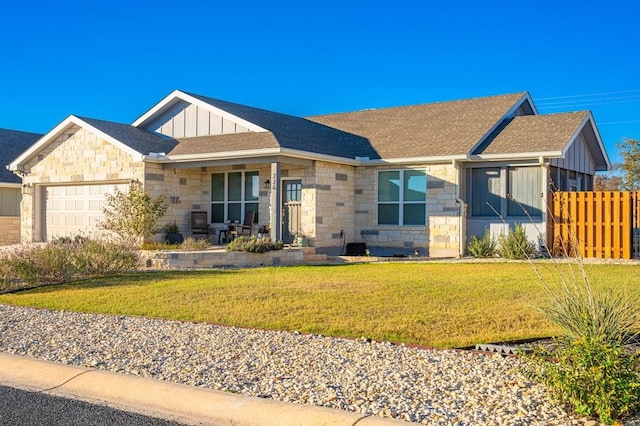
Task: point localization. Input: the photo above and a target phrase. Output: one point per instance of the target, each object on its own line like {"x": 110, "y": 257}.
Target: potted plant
{"x": 264, "y": 231}
{"x": 173, "y": 233}
{"x": 302, "y": 240}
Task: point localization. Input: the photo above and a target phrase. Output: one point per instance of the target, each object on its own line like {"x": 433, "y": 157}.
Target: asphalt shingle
{"x": 12, "y": 144}
{"x": 140, "y": 140}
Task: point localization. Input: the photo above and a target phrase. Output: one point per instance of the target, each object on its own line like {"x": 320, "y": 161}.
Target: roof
{"x": 536, "y": 133}
{"x": 230, "y": 142}
{"x": 428, "y": 130}
{"x": 12, "y": 144}
{"x": 140, "y": 140}
{"x": 295, "y": 133}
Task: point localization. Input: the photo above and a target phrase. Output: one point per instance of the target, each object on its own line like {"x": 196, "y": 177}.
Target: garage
{"x": 75, "y": 209}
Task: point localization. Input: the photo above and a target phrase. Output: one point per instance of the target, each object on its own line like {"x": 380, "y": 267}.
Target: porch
{"x": 289, "y": 195}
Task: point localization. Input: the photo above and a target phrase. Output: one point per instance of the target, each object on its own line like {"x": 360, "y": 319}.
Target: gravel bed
{"x": 417, "y": 385}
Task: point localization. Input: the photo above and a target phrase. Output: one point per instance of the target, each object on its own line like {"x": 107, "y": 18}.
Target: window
{"x": 524, "y": 197}
{"x": 402, "y": 197}
{"x": 505, "y": 191}
{"x": 233, "y": 194}
{"x": 485, "y": 191}
{"x": 10, "y": 201}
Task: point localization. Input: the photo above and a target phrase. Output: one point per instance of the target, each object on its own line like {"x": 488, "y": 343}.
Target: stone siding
{"x": 439, "y": 238}
{"x": 9, "y": 230}
{"x": 78, "y": 156}
{"x": 232, "y": 259}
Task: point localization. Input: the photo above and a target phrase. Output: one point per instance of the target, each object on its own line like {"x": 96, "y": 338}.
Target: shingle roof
{"x": 297, "y": 133}
{"x": 12, "y": 144}
{"x": 536, "y": 133}
{"x": 225, "y": 143}
{"x": 140, "y": 140}
{"x": 436, "y": 129}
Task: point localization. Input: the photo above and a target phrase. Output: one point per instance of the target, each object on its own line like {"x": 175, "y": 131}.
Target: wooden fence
{"x": 603, "y": 224}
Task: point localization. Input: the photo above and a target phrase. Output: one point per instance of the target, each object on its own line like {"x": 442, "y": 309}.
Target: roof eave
{"x": 58, "y": 131}
{"x": 516, "y": 156}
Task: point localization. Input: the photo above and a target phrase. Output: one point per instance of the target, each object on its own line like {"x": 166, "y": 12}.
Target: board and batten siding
{"x": 577, "y": 158}
{"x": 184, "y": 120}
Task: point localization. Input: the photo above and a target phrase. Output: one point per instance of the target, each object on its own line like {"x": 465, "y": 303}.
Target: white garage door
{"x": 75, "y": 209}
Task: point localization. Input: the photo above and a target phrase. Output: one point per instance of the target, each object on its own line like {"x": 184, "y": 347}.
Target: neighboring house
{"x": 423, "y": 177}
{"x": 12, "y": 144}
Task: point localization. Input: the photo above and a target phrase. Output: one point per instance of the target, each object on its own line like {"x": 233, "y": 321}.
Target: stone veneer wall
{"x": 334, "y": 186}
{"x": 441, "y": 238}
{"x": 78, "y": 156}
{"x": 9, "y": 230}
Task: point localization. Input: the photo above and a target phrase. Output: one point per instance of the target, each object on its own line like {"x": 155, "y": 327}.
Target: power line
{"x": 586, "y": 101}
{"x": 590, "y": 94}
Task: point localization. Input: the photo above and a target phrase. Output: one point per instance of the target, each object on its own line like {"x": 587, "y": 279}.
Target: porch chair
{"x": 199, "y": 224}
{"x": 246, "y": 227}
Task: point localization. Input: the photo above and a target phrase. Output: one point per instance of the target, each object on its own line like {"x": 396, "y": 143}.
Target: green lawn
{"x": 435, "y": 304}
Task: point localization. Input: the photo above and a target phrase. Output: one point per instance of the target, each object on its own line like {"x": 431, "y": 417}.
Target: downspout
{"x": 462, "y": 208}
{"x": 545, "y": 199}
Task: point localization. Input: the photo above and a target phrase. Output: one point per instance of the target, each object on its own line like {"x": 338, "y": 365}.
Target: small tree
{"x": 133, "y": 215}
{"x": 630, "y": 167}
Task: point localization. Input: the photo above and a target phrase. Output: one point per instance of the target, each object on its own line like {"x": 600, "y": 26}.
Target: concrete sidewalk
{"x": 180, "y": 403}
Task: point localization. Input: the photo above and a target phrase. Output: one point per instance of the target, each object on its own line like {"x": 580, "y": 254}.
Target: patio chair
{"x": 199, "y": 224}
{"x": 246, "y": 227}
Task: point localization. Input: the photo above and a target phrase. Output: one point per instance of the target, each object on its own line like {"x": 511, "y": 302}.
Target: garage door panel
{"x": 75, "y": 209}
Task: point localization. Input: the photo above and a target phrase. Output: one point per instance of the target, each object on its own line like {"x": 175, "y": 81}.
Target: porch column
{"x": 275, "y": 209}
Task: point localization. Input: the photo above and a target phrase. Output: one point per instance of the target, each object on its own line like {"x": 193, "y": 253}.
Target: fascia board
{"x": 415, "y": 160}
{"x": 177, "y": 94}
{"x": 592, "y": 121}
{"x": 57, "y": 131}
{"x": 53, "y": 134}
{"x": 517, "y": 156}
{"x": 10, "y": 185}
{"x": 302, "y": 155}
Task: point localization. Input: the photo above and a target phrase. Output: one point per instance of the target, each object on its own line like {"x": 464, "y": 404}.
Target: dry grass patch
{"x": 436, "y": 304}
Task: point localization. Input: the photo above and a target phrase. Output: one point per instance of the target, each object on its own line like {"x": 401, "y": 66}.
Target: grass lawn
{"x": 435, "y": 304}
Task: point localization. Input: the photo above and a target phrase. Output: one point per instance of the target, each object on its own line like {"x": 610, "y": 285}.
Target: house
{"x": 422, "y": 177}
{"x": 12, "y": 143}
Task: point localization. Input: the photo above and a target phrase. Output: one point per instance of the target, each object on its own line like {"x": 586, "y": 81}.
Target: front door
{"x": 291, "y": 202}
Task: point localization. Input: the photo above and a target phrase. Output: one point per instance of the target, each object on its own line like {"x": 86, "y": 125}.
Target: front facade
{"x": 418, "y": 178}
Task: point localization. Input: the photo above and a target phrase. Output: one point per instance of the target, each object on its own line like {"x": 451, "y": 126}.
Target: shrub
{"x": 486, "y": 246}
{"x": 596, "y": 377}
{"x": 159, "y": 246}
{"x": 64, "y": 260}
{"x": 192, "y": 244}
{"x": 590, "y": 369}
{"x": 133, "y": 215}
{"x": 516, "y": 245}
{"x": 254, "y": 244}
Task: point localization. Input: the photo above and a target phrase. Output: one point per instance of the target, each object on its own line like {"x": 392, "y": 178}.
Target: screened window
{"x": 402, "y": 197}
{"x": 523, "y": 191}
{"x": 485, "y": 191}
{"x": 233, "y": 194}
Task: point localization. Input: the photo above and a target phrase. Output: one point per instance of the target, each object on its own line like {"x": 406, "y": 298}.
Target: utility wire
{"x": 590, "y": 94}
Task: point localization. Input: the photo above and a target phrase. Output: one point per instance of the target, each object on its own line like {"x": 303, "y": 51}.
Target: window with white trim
{"x": 233, "y": 194}
{"x": 402, "y": 197}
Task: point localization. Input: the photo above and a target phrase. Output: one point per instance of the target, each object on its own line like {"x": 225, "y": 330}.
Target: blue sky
{"x": 114, "y": 60}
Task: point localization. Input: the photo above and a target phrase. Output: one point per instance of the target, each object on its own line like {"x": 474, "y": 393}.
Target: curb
{"x": 170, "y": 401}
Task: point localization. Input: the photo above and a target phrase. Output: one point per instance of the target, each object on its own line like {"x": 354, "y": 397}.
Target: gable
{"x": 183, "y": 119}
{"x": 570, "y": 137}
